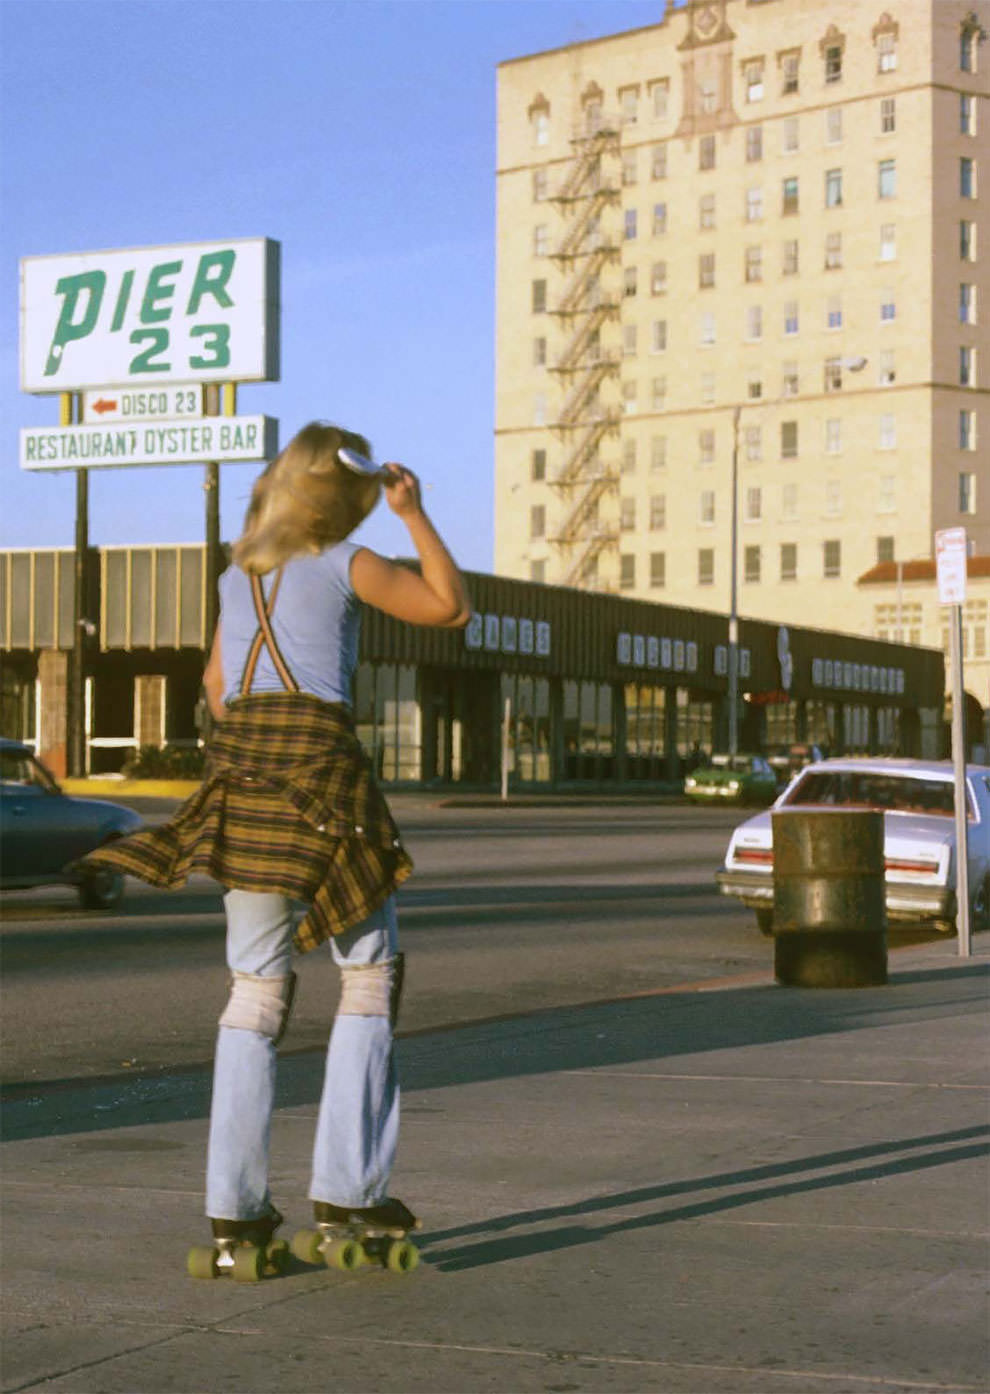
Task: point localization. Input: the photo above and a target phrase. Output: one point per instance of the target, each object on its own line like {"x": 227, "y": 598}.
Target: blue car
{"x": 43, "y": 831}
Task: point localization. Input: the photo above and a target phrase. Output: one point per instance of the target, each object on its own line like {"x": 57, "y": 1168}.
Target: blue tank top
{"x": 316, "y": 623}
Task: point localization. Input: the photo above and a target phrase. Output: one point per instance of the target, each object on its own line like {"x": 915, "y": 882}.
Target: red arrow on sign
{"x": 104, "y": 405}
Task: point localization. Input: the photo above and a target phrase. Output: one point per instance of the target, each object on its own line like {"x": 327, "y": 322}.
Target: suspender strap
{"x": 266, "y": 636}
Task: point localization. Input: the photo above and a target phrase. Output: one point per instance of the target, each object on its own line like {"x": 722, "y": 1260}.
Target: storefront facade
{"x": 580, "y": 690}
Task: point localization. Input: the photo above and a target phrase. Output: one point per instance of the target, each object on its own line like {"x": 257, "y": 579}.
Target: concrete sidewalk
{"x": 741, "y": 1190}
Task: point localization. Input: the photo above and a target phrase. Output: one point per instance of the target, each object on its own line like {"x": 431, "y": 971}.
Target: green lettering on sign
{"x": 156, "y": 291}
{"x": 93, "y": 284}
{"x": 212, "y": 274}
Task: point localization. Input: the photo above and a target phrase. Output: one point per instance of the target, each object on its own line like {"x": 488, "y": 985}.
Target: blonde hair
{"x": 305, "y": 500}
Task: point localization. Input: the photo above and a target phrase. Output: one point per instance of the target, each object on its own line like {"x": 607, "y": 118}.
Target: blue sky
{"x": 361, "y": 135}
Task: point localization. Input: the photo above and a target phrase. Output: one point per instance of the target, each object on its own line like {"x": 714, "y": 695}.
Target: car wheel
{"x": 979, "y": 909}
{"x": 101, "y": 890}
{"x": 764, "y": 922}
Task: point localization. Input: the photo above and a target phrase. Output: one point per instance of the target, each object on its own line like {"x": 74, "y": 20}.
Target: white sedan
{"x": 917, "y": 800}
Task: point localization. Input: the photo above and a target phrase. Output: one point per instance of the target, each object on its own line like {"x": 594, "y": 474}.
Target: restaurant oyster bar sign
{"x": 131, "y": 325}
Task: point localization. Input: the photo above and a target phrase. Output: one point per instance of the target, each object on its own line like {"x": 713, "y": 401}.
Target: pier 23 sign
{"x": 195, "y": 312}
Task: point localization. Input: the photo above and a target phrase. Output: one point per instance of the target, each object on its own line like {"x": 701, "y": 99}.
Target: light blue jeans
{"x": 358, "y": 1123}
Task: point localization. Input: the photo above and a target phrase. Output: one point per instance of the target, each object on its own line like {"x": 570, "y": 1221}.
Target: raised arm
{"x": 438, "y": 595}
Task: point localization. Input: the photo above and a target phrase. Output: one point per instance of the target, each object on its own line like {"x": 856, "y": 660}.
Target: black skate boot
{"x": 244, "y": 1250}
{"x": 346, "y": 1237}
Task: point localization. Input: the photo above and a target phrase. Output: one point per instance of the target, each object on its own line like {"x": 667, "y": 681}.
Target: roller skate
{"x": 348, "y": 1238}
{"x": 242, "y": 1249}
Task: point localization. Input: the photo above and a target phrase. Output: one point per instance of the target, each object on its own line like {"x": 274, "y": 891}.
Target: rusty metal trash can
{"x": 829, "y": 907}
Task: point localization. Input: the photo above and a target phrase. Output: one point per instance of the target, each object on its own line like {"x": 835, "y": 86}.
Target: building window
{"x": 541, "y": 240}
{"x": 540, "y": 185}
{"x": 706, "y": 507}
{"x": 539, "y": 125}
{"x": 833, "y": 62}
{"x": 888, "y": 242}
{"x": 627, "y": 515}
{"x": 658, "y": 570}
{"x": 833, "y": 436}
{"x": 540, "y": 409}
{"x": 753, "y": 510}
{"x": 967, "y": 47}
{"x": 967, "y": 114}
{"x": 791, "y": 322}
{"x": 833, "y": 312}
{"x": 658, "y": 393}
{"x": 754, "y": 444}
{"x": 706, "y": 270}
{"x": 754, "y": 323}
{"x": 833, "y": 251}
{"x": 707, "y": 96}
{"x": 707, "y": 390}
{"x": 886, "y": 368}
{"x": 658, "y": 512}
{"x": 967, "y": 303}
{"x": 833, "y": 497}
{"x": 967, "y": 177}
{"x": 538, "y": 571}
{"x": 706, "y": 333}
{"x": 753, "y": 79}
{"x": 887, "y": 494}
{"x": 832, "y": 558}
{"x": 538, "y": 466}
{"x": 706, "y": 566}
{"x": 754, "y": 205}
{"x": 888, "y": 307}
{"x": 887, "y": 439}
{"x": 658, "y": 278}
{"x": 788, "y": 561}
{"x": 790, "y": 260}
{"x": 789, "y": 135}
{"x": 751, "y": 564}
{"x": 967, "y": 366}
{"x": 788, "y": 440}
{"x": 754, "y": 144}
{"x": 754, "y": 384}
{"x": 629, "y": 457}
{"x": 789, "y": 383}
{"x": 540, "y": 352}
{"x": 537, "y": 520}
{"x": 659, "y": 97}
{"x": 706, "y": 446}
{"x": 833, "y": 125}
{"x": 706, "y": 212}
{"x": 629, "y": 105}
{"x": 629, "y": 281}
{"x": 630, "y": 398}
{"x": 967, "y": 240}
{"x": 628, "y": 341}
{"x": 539, "y": 297}
{"x": 658, "y": 454}
{"x": 658, "y": 336}
{"x": 833, "y": 375}
{"x": 833, "y": 188}
{"x": 630, "y": 168}
{"x": 627, "y": 571}
{"x": 753, "y": 266}
{"x": 629, "y": 224}
{"x": 789, "y": 195}
{"x": 885, "y": 549}
{"x": 706, "y": 152}
{"x": 789, "y": 501}
{"x": 967, "y": 492}
{"x": 790, "y": 67}
{"x": 967, "y": 430}
{"x": 888, "y": 116}
{"x": 886, "y": 52}
{"x": 887, "y": 179}
{"x": 659, "y": 219}
{"x": 658, "y": 161}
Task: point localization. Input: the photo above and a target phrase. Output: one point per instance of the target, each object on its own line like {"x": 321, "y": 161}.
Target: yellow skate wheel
{"x": 403, "y": 1257}
{"x": 345, "y": 1254}
{"x": 306, "y": 1245}
{"x": 277, "y": 1256}
{"x": 201, "y": 1262}
{"x": 249, "y": 1264}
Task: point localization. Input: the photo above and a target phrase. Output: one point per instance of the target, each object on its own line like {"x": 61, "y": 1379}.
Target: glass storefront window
{"x": 387, "y": 718}
{"x": 855, "y": 729}
{"x": 820, "y": 725}
{"x": 589, "y": 734}
{"x": 529, "y": 727}
{"x": 781, "y": 718}
{"x": 695, "y": 729}
{"x": 645, "y": 716}
{"x": 888, "y": 731}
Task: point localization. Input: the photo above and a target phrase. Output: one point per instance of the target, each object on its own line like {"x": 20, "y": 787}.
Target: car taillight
{"x": 922, "y": 868}
{"x": 763, "y": 856}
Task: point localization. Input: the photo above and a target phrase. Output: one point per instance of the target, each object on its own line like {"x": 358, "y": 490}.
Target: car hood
{"x": 717, "y": 775}
{"x": 125, "y": 819}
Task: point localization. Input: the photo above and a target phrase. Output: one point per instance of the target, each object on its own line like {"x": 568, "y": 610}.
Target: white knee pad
{"x": 366, "y": 989}
{"x": 260, "y": 1004}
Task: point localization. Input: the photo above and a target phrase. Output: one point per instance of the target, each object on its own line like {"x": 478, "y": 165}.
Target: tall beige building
{"x": 754, "y": 233}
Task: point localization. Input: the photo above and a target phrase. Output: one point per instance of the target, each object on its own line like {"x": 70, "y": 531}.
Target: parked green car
{"x": 733, "y": 779}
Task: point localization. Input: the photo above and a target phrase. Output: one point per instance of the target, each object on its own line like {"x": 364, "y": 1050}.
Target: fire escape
{"x": 584, "y": 253}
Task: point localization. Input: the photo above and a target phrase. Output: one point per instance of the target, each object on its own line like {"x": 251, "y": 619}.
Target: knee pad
{"x": 260, "y": 1004}
{"x": 371, "y": 989}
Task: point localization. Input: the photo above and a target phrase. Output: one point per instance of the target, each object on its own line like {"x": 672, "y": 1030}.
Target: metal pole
{"x": 506, "y": 719}
{"x": 70, "y": 412}
{"x": 959, "y": 772}
{"x": 733, "y": 665}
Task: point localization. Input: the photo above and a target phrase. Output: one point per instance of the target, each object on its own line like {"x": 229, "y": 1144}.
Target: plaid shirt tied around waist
{"x": 288, "y": 803}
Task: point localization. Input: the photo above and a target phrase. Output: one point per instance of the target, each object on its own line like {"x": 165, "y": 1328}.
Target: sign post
{"x": 950, "y": 566}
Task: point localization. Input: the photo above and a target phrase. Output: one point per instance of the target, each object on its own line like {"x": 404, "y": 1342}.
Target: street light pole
{"x": 733, "y": 656}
